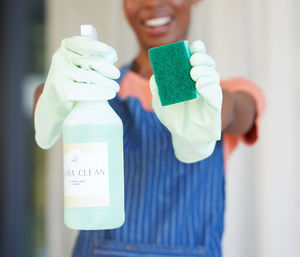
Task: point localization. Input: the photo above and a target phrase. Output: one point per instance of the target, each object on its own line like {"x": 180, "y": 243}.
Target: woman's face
{"x": 159, "y": 22}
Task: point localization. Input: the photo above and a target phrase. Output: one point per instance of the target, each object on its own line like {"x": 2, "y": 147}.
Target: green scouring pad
{"x": 171, "y": 68}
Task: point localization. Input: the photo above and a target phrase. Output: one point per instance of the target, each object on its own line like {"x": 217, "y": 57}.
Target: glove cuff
{"x": 187, "y": 153}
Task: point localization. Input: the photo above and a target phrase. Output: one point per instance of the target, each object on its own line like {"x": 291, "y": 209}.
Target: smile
{"x": 160, "y": 21}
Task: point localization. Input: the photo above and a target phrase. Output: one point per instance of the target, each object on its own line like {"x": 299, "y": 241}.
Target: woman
{"x": 173, "y": 208}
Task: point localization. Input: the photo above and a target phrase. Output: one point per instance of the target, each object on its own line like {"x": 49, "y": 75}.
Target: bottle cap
{"x": 89, "y": 30}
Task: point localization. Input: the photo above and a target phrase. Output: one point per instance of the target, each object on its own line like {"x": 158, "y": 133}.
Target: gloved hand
{"x": 82, "y": 69}
{"x": 195, "y": 125}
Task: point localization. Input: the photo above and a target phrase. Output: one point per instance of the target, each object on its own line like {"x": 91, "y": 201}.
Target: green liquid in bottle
{"x": 88, "y": 205}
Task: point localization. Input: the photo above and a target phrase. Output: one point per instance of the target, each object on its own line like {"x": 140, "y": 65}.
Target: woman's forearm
{"x": 238, "y": 112}
{"x": 37, "y": 94}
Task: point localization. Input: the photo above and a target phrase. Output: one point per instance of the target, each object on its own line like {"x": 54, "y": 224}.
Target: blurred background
{"x": 255, "y": 39}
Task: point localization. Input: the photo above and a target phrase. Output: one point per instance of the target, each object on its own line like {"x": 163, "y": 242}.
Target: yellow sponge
{"x": 171, "y": 68}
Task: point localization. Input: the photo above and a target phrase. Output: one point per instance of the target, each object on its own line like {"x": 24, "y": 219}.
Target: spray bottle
{"x": 93, "y": 164}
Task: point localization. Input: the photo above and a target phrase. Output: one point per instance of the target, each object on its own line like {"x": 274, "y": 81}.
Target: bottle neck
{"x": 91, "y": 112}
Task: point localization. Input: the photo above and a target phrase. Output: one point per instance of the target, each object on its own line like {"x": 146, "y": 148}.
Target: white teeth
{"x": 158, "y": 21}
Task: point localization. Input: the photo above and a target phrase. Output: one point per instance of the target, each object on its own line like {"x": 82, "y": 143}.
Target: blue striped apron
{"x": 172, "y": 208}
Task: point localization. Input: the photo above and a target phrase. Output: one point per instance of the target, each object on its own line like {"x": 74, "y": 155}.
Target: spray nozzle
{"x": 89, "y": 30}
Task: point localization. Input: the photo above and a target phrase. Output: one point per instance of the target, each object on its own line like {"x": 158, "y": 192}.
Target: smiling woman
{"x": 245, "y": 38}
{"x": 173, "y": 156}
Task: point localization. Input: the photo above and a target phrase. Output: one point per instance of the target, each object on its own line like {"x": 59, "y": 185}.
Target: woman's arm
{"x": 238, "y": 112}
{"x": 37, "y": 94}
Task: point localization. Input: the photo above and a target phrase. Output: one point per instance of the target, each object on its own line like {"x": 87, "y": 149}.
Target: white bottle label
{"x": 86, "y": 178}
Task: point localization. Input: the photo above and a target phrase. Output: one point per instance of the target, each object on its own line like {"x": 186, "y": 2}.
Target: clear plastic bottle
{"x": 93, "y": 167}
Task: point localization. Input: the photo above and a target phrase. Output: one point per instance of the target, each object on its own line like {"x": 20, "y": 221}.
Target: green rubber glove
{"x": 82, "y": 69}
{"x": 195, "y": 125}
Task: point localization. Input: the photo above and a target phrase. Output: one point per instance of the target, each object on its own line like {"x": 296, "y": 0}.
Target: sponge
{"x": 171, "y": 68}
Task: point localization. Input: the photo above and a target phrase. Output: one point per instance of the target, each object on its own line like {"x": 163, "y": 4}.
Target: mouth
{"x": 158, "y": 25}
{"x": 160, "y": 21}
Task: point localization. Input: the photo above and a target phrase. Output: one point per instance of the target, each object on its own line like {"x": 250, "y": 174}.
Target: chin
{"x": 159, "y": 41}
